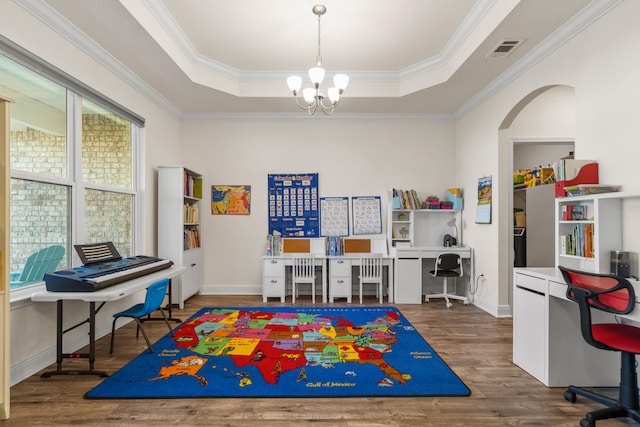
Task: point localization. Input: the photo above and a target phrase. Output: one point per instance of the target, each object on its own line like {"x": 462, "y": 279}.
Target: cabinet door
{"x": 529, "y": 329}
{"x": 408, "y": 287}
{"x": 191, "y": 280}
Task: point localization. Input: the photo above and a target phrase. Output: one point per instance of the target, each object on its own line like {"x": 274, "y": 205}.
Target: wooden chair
{"x": 303, "y": 271}
{"x": 37, "y": 264}
{"x": 371, "y": 273}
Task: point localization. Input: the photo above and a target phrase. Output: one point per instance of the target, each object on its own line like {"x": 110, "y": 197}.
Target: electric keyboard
{"x": 103, "y": 267}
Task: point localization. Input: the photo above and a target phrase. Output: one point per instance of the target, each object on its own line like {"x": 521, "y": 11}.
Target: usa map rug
{"x": 286, "y": 352}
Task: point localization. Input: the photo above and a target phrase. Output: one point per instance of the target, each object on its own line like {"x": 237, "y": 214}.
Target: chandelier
{"x": 313, "y": 96}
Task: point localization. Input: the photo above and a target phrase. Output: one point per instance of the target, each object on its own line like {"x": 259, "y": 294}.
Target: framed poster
{"x": 334, "y": 216}
{"x": 293, "y": 204}
{"x": 230, "y": 199}
{"x": 367, "y": 215}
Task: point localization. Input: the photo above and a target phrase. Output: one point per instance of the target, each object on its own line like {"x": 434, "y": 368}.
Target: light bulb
{"x": 294, "y": 82}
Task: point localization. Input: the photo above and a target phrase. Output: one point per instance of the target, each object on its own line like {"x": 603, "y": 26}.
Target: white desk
{"x": 274, "y": 275}
{"x": 102, "y": 296}
{"x": 547, "y": 341}
{"x": 410, "y": 265}
{"x": 340, "y": 273}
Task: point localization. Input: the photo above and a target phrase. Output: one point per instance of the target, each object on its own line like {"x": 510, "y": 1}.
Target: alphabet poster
{"x": 367, "y": 215}
{"x": 334, "y": 216}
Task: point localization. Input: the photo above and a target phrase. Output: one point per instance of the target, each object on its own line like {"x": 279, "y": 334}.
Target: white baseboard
{"x": 231, "y": 290}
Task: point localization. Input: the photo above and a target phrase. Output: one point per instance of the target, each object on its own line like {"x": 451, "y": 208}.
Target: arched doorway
{"x": 541, "y": 119}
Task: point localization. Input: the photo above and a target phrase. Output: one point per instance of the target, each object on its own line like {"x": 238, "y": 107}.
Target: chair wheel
{"x": 570, "y": 396}
{"x": 449, "y": 305}
{"x": 586, "y": 423}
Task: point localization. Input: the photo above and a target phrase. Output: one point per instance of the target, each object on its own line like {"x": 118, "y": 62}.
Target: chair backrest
{"x": 155, "y": 296}
{"x": 41, "y": 262}
{"x": 604, "y": 292}
{"x": 451, "y": 262}
{"x": 303, "y": 266}
{"x": 371, "y": 267}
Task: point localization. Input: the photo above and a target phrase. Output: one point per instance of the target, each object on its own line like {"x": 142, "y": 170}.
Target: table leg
{"x": 60, "y": 356}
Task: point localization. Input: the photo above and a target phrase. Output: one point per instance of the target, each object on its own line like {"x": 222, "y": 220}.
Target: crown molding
{"x": 50, "y": 17}
{"x": 351, "y": 117}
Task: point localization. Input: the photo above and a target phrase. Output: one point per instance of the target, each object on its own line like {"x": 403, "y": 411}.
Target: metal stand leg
{"x": 60, "y": 356}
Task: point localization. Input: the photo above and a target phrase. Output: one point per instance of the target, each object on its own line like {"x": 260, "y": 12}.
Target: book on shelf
{"x": 274, "y": 245}
{"x": 408, "y": 199}
{"x": 191, "y": 238}
{"x": 191, "y": 213}
{"x": 578, "y": 242}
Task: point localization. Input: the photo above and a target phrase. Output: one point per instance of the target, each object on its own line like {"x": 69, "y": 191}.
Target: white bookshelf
{"x": 179, "y": 231}
{"x": 604, "y": 216}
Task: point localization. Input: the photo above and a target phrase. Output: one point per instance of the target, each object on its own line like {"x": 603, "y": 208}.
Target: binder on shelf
{"x": 575, "y": 172}
{"x": 454, "y": 195}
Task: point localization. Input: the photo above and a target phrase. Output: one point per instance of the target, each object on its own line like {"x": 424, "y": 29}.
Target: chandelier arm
{"x": 303, "y": 107}
{"x": 331, "y": 107}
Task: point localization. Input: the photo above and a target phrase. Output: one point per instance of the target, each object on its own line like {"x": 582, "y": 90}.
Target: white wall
{"x": 33, "y": 324}
{"x": 598, "y": 63}
{"x": 352, "y": 158}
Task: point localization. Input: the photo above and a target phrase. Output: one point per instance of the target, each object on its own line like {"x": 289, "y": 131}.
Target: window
{"x": 56, "y": 200}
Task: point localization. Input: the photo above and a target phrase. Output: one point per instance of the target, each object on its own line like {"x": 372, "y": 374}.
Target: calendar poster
{"x": 293, "y": 205}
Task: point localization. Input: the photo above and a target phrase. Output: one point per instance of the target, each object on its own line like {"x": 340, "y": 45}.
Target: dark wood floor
{"x": 474, "y": 344}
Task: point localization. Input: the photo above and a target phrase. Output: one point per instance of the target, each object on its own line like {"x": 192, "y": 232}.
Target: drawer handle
{"x": 193, "y": 265}
{"x": 340, "y": 281}
{"x": 274, "y": 281}
{"x": 273, "y": 261}
{"x": 340, "y": 261}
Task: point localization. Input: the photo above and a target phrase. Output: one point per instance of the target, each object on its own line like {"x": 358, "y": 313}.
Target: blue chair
{"x": 153, "y": 301}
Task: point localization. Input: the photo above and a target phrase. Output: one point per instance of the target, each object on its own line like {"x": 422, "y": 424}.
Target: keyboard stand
{"x": 60, "y": 356}
{"x": 102, "y": 296}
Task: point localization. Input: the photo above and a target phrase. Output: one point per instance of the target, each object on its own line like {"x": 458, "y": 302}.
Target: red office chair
{"x": 612, "y": 294}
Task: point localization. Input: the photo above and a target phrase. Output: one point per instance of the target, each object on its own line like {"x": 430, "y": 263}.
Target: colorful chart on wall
{"x": 367, "y": 215}
{"x": 230, "y": 199}
{"x": 483, "y": 211}
{"x": 334, "y": 216}
{"x": 293, "y": 205}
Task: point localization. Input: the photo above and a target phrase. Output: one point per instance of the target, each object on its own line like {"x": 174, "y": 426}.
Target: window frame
{"x": 75, "y": 91}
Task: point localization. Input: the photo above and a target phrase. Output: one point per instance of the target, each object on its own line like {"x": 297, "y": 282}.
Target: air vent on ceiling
{"x": 505, "y": 47}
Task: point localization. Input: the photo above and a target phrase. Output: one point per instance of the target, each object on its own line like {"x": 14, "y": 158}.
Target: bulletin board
{"x": 334, "y": 216}
{"x": 367, "y": 215}
{"x": 293, "y": 204}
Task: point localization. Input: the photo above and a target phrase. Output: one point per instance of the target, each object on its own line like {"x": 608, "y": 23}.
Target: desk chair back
{"x": 154, "y": 298}
{"x": 303, "y": 270}
{"x": 38, "y": 263}
{"x": 447, "y": 265}
{"x": 611, "y": 294}
{"x": 371, "y": 272}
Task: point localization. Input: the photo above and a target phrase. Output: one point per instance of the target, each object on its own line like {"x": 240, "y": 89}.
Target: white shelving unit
{"x": 179, "y": 236}
{"x": 604, "y": 217}
{"x": 421, "y": 227}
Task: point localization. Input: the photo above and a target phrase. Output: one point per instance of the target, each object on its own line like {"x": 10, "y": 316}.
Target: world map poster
{"x": 230, "y": 199}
